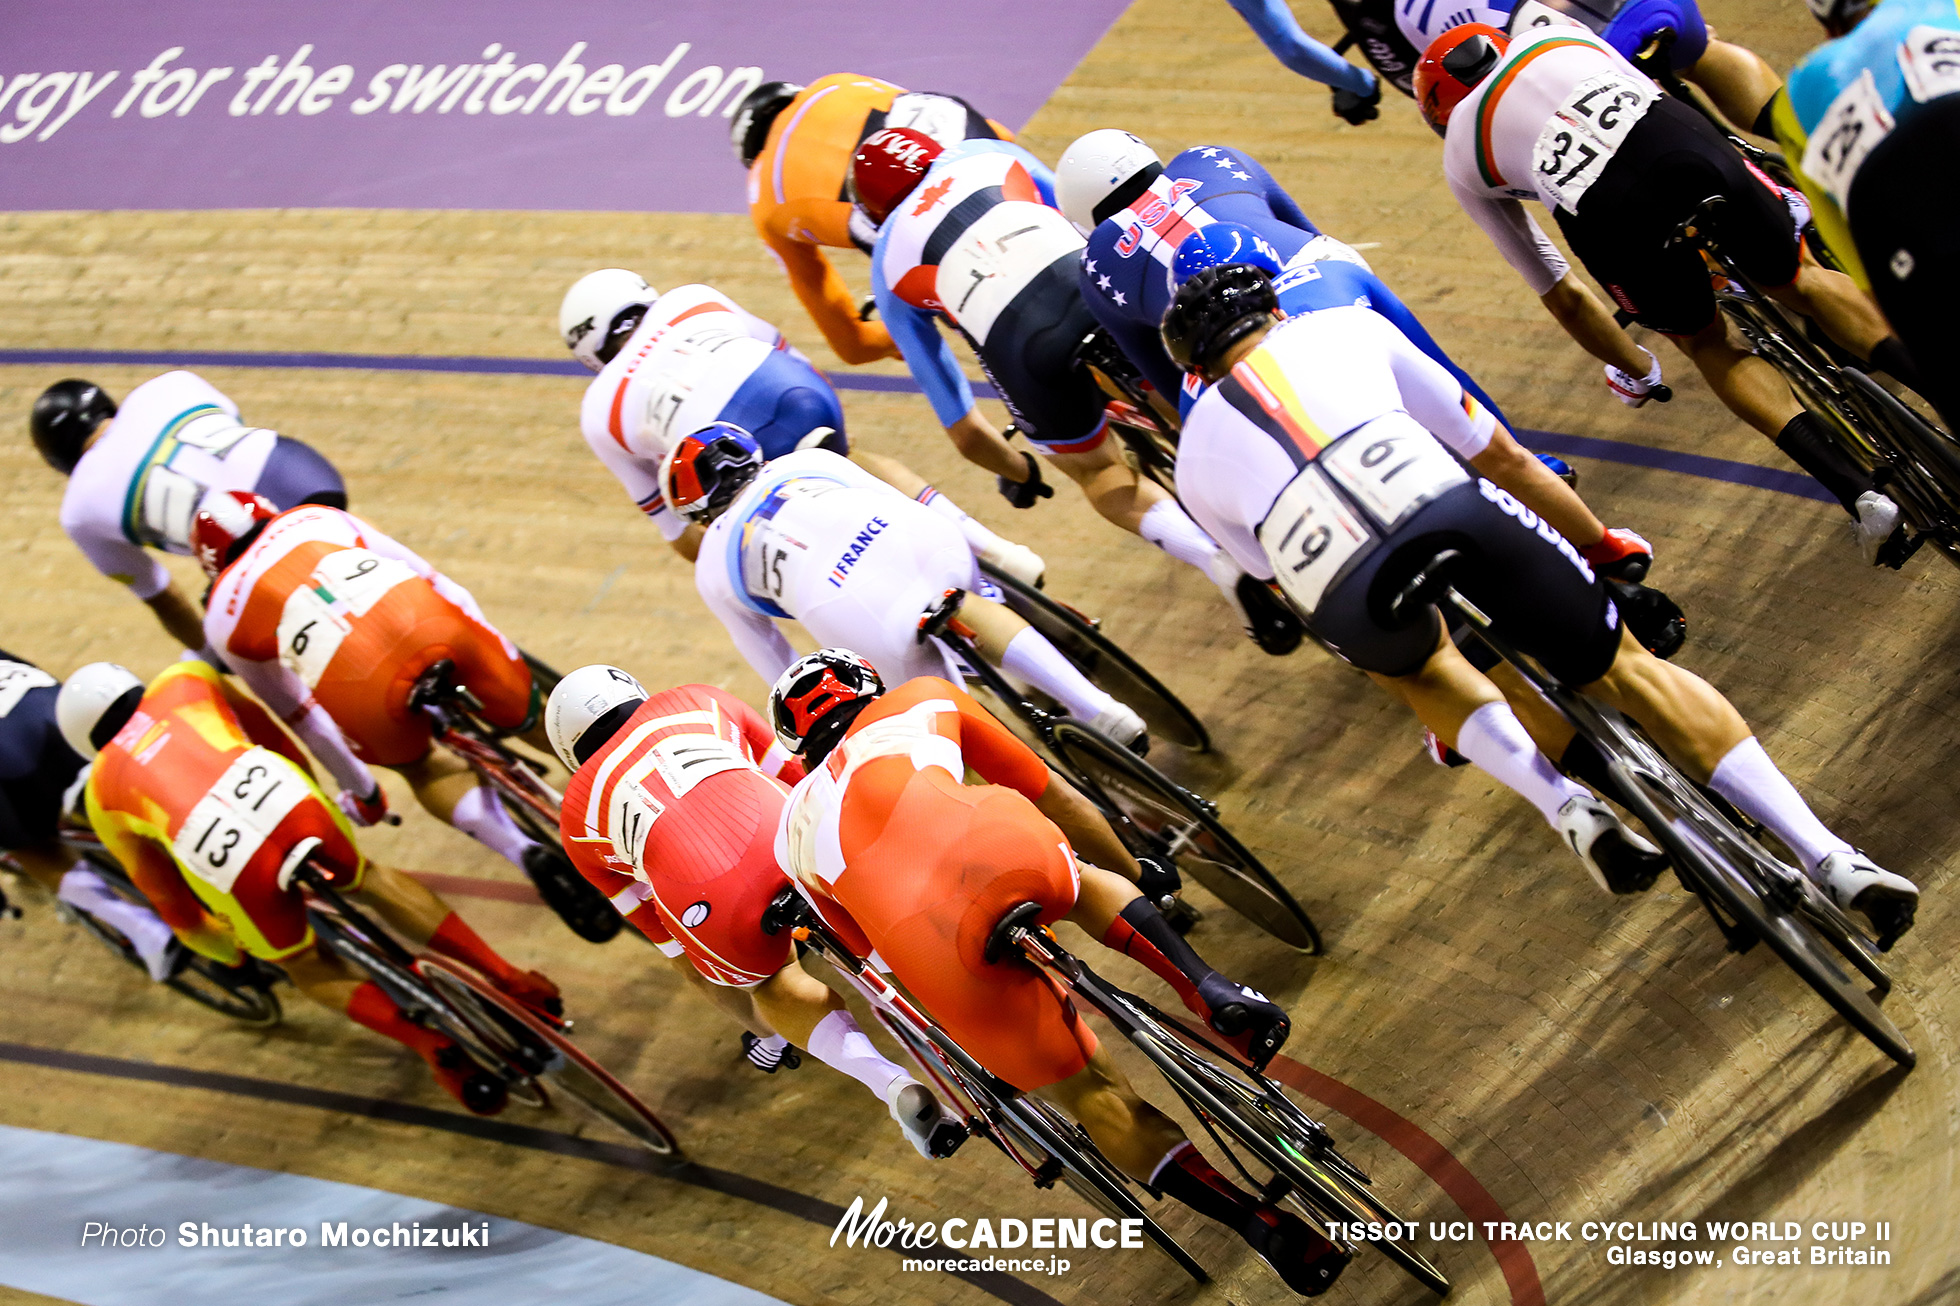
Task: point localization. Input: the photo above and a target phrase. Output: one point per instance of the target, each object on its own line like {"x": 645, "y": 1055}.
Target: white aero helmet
{"x": 94, "y": 703}
{"x": 586, "y": 315}
{"x": 584, "y": 699}
{"x": 1094, "y": 168}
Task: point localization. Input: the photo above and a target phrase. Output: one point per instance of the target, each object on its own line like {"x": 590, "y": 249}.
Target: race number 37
{"x": 1584, "y": 134}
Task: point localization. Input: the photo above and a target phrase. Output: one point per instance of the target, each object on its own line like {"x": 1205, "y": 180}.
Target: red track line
{"x": 470, "y": 886}
{"x": 1435, "y": 1160}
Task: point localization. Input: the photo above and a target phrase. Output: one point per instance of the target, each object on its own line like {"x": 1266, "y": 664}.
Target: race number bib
{"x": 996, "y": 257}
{"x": 629, "y": 820}
{"x": 169, "y": 503}
{"x": 1392, "y": 468}
{"x": 216, "y": 432}
{"x": 168, "y": 495}
{"x": 236, "y": 816}
{"x": 938, "y": 116}
{"x": 1585, "y": 132}
{"x": 1310, "y": 537}
{"x": 1849, "y": 130}
{"x": 319, "y": 615}
{"x": 16, "y": 678}
{"x": 769, "y": 553}
{"x": 683, "y": 369}
{"x": 1930, "y": 59}
{"x": 684, "y": 761}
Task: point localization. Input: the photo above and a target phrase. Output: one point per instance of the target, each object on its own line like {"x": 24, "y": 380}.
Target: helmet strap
{"x": 1122, "y": 197}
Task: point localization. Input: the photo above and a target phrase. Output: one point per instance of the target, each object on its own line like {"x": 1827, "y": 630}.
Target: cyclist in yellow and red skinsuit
{"x": 210, "y": 807}
{"x": 798, "y": 152}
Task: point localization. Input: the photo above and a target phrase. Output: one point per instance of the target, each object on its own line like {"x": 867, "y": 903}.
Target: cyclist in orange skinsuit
{"x": 797, "y": 196}
{"x": 210, "y": 806}
{"x": 914, "y": 869}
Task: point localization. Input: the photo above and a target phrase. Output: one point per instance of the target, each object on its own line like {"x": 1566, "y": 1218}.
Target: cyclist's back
{"x": 36, "y": 763}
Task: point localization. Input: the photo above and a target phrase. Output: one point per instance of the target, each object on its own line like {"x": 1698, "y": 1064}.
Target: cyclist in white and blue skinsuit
{"x": 1357, "y": 92}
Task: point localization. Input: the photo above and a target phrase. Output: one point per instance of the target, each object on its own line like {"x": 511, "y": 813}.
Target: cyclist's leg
{"x": 419, "y": 915}
{"x": 1845, "y": 312}
{"x": 45, "y": 862}
{"x": 1738, "y": 82}
{"x": 1022, "y": 651}
{"x": 448, "y": 790}
{"x": 806, "y": 1012}
{"x": 328, "y": 981}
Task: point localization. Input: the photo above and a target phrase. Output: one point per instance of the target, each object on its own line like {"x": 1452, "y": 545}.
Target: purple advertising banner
{"x": 465, "y": 104}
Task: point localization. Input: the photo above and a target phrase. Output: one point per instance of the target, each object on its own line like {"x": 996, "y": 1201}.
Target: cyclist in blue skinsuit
{"x": 1140, "y": 213}
{"x": 1357, "y": 92}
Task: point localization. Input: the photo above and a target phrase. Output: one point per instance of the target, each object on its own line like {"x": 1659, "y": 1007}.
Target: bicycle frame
{"x": 451, "y": 709}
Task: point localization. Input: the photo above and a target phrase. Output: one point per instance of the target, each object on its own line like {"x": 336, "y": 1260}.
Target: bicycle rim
{"x": 1106, "y": 665}
{"x": 203, "y": 981}
{"x": 1743, "y": 878}
{"x": 1166, "y": 821}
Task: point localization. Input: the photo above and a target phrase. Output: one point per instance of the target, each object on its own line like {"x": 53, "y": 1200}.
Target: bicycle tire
{"x": 566, "y": 1067}
{"x": 1159, "y": 817}
{"x": 543, "y": 674}
{"x": 200, "y": 979}
{"x": 1105, "y": 664}
{"x": 1774, "y": 909}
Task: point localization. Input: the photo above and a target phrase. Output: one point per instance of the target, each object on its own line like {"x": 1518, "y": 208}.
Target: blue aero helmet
{"x": 1219, "y": 243}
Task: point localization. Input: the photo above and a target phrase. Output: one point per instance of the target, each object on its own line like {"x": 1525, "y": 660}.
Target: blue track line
{"x": 1581, "y": 446}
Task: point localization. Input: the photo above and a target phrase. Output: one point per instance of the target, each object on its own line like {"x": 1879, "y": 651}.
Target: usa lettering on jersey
{"x": 1160, "y": 219}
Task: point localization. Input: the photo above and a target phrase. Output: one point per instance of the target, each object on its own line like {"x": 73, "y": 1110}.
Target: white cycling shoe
{"x": 1124, "y": 726}
{"x": 1018, "y": 561}
{"x": 1619, "y": 860}
{"x": 933, "y": 1131}
{"x": 1878, "y": 518}
{"x": 1857, "y": 883}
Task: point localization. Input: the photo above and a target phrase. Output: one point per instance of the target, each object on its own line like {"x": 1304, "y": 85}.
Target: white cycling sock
{"x": 480, "y": 814}
{"x": 1747, "y": 778}
{"x": 1032, "y": 658}
{"x": 1166, "y": 525}
{"x": 1497, "y": 744}
{"x": 84, "y": 889}
{"x": 983, "y": 542}
{"x": 838, "y": 1042}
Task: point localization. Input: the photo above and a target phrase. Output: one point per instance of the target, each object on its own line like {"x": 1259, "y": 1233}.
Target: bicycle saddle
{"x": 1000, "y": 942}
{"x": 938, "y": 618}
{"x": 433, "y": 685}
{"x": 1425, "y": 586}
{"x": 784, "y": 911}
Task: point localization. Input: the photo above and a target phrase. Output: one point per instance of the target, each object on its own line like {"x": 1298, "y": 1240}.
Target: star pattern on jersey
{"x": 1089, "y": 266}
{"x": 1102, "y": 284}
{"x": 1228, "y": 163}
{"x": 1119, "y": 298}
{"x": 1243, "y": 176}
{"x": 1208, "y": 152}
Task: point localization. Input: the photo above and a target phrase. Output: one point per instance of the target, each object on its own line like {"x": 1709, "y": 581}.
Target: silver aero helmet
{"x": 94, "y": 703}
{"x": 589, "y": 315}
{"x": 587, "y": 708}
{"x": 1098, "y": 166}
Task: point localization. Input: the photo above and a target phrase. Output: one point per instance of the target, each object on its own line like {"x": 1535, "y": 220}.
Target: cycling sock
{"x": 1152, "y": 941}
{"x": 1186, "y": 1176}
{"x": 1747, "y": 778}
{"x": 372, "y": 1007}
{"x": 146, "y": 932}
{"x": 1167, "y": 526}
{"x": 1031, "y": 657}
{"x": 1497, "y": 745}
{"x": 1805, "y": 442}
{"x": 480, "y": 814}
{"x": 982, "y": 541}
{"x": 839, "y": 1043}
{"x": 454, "y": 938}
{"x": 1890, "y": 357}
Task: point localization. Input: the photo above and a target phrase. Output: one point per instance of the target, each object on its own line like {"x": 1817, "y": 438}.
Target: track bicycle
{"x": 1153, "y": 814}
{"x": 1752, "y": 895}
{"x": 530, "y": 1051}
{"x": 517, "y": 779}
{"x": 1913, "y": 461}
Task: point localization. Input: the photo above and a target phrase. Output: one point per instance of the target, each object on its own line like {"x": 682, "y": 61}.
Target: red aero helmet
{"x": 226, "y": 517}
{"x": 805, "y": 700}
{"x": 1454, "y": 65}
{"x": 889, "y": 164}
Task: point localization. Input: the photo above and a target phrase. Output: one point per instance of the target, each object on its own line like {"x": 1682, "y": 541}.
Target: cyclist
{"x": 671, "y": 813}
{"x": 1874, "y": 114}
{"x": 137, "y": 473}
{"x": 915, "y": 868}
{"x": 1357, "y": 92}
{"x": 815, "y": 538}
{"x": 330, "y": 622}
{"x": 1558, "y": 115}
{"x": 970, "y": 234}
{"x": 1318, "y": 455}
{"x": 210, "y": 807}
{"x": 796, "y": 142}
{"x": 670, "y": 364}
{"x": 41, "y": 779}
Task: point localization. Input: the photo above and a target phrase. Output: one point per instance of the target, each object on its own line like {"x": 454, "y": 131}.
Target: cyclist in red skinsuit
{"x": 672, "y": 813}
{"x": 915, "y": 868}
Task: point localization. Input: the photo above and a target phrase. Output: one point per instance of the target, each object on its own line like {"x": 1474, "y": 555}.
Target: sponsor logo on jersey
{"x": 1532, "y": 521}
{"x": 695, "y": 914}
{"x": 873, "y": 529}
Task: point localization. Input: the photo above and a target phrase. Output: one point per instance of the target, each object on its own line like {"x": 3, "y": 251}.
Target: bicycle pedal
{"x": 1048, "y": 1172}
{"x": 947, "y": 1138}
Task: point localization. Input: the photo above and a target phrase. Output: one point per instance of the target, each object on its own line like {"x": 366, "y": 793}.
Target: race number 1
{"x": 1309, "y": 537}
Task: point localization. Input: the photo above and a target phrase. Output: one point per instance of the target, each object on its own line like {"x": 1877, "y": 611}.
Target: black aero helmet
{"x": 749, "y": 131}
{"x": 64, "y": 417}
{"x": 1216, "y": 309}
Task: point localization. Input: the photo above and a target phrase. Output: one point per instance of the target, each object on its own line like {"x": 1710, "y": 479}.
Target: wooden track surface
{"x": 1582, "y": 1058}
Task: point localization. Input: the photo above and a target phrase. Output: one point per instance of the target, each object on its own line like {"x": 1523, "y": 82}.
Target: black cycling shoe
{"x": 480, "y": 1092}
{"x": 768, "y": 1064}
{"x": 1304, "y": 1260}
{"x": 584, "y": 909}
{"x": 1891, "y": 915}
{"x": 1655, "y": 619}
{"x": 1272, "y": 625}
{"x": 1239, "y": 1011}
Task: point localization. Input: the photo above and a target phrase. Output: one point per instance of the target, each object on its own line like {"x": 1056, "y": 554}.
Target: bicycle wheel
{"x": 1105, "y": 665}
{"x": 1159, "y": 817}
{"x": 549, "y": 1055}
{"x": 542, "y": 674}
{"x": 225, "y": 990}
{"x": 1776, "y": 903}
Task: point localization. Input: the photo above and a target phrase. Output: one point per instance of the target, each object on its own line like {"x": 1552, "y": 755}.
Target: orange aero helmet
{"x": 1453, "y": 66}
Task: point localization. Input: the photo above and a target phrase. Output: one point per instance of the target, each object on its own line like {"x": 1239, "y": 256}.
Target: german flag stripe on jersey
{"x": 1258, "y": 388}
{"x": 1487, "y": 107}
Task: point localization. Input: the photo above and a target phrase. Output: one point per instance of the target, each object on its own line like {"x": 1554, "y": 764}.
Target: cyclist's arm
{"x": 756, "y": 635}
{"x": 178, "y": 615}
{"x": 641, "y": 483}
{"x": 264, "y": 730}
{"x": 927, "y": 355}
{"x": 1140, "y": 343}
{"x": 1282, "y": 34}
{"x": 1432, "y": 395}
{"x": 829, "y": 303}
{"x": 287, "y": 695}
{"x": 1590, "y": 323}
